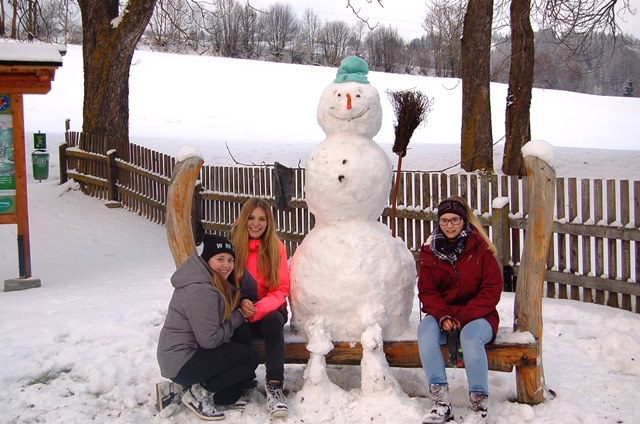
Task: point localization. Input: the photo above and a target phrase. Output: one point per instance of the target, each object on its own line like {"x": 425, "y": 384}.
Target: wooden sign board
{"x": 25, "y": 68}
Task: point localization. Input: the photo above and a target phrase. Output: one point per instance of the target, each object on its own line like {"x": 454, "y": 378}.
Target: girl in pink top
{"x": 261, "y": 265}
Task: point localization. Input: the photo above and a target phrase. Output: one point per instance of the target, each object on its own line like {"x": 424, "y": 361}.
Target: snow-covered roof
{"x": 31, "y": 54}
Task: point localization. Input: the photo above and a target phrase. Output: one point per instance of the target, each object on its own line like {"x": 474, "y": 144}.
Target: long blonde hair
{"x": 474, "y": 222}
{"x": 230, "y": 297}
{"x": 269, "y": 257}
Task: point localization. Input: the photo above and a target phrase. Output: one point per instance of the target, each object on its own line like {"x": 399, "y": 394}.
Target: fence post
{"x": 501, "y": 240}
{"x": 62, "y": 159}
{"x": 112, "y": 176}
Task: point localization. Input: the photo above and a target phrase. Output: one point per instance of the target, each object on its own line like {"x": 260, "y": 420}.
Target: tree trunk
{"x": 14, "y": 20}
{"x": 476, "y": 148}
{"x": 518, "y": 126}
{"x": 108, "y": 49}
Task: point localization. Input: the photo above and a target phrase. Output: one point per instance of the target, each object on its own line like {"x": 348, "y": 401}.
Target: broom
{"x": 411, "y": 108}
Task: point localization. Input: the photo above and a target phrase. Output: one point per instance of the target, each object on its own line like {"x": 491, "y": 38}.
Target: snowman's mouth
{"x": 351, "y": 118}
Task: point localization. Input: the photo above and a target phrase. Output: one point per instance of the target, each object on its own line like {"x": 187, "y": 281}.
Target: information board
{"x": 7, "y": 168}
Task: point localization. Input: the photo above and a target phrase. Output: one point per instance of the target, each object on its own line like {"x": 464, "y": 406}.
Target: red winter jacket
{"x": 468, "y": 290}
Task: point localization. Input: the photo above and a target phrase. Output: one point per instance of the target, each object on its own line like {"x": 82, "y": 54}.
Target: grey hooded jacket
{"x": 195, "y": 319}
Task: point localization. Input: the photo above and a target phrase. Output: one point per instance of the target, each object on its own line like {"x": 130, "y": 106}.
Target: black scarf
{"x": 446, "y": 250}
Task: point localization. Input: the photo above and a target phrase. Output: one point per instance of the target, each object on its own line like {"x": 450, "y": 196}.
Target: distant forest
{"x": 601, "y": 65}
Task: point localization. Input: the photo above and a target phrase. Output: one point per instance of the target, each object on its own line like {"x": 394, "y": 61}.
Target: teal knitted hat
{"x": 353, "y": 68}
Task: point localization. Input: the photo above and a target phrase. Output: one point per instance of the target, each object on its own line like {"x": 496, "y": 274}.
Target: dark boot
{"x": 441, "y": 411}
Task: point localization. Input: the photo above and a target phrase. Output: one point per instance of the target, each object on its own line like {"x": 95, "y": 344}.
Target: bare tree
{"x": 384, "y": 49}
{"x": 43, "y": 20}
{"x": 280, "y": 28}
{"x": 334, "y": 41}
{"x": 579, "y": 24}
{"x": 518, "y": 125}
{"x": 166, "y": 26}
{"x": 249, "y": 29}
{"x": 14, "y": 20}
{"x": 109, "y": 39}
{"x": 226, "y": 25}
{"x": 358, "y": 34}
{"x": 23, "y": 18}
{"x": 3, "y": 21}
{"x": 443, "y": 25}
{"x": 476, "y": 147}
{"x": 417, "y": 56}
{"x": 32, "y": 8}
{"x": 310, "y": 27}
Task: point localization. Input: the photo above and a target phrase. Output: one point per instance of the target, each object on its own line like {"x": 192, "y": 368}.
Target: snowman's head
{"x": 350, "y": 105}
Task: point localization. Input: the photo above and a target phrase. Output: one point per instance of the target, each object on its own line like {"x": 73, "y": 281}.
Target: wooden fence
{"x": 594, "y": 254}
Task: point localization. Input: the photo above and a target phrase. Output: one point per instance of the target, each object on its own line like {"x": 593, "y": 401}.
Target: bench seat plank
{"x": 404, "y": 354}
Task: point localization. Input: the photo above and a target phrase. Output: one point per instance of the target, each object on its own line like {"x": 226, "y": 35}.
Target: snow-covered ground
{"x": 81, "y": 348}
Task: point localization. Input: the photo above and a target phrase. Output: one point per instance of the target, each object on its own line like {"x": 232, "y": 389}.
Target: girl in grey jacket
{"x": 195, "y": 348}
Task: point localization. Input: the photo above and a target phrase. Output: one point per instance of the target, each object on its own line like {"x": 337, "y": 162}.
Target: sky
{"x": 82, "y": 347}
{"x": 405, "y": 15}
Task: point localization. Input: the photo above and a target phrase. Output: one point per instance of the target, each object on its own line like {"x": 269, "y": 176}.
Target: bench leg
{"x": 529, "y": 385}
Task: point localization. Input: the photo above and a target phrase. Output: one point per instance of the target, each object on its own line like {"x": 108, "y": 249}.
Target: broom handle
{"x": 395, "y": 197}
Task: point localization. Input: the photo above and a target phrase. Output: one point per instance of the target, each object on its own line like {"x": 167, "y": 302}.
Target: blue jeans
{"x": 473, "y": 337}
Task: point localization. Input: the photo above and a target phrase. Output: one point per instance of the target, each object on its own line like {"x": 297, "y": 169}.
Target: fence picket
{"x": 625, "y": 245}
{"x": 598, "y": 213}
{"x": 587, "y": 293}
{"x": 636, "y": 224}
{"x": 561, "y": 239}
{"x": 572, "y": 204}
{"x": 612, "y": 298}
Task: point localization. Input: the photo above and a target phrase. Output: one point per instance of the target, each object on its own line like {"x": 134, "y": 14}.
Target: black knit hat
{"x": 452, "y": 206}
{"x": 214, "y": 244}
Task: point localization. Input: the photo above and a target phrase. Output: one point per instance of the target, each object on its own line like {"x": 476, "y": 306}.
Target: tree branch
{"x": 266, "y": 165}
{"x": 357, "y": 13}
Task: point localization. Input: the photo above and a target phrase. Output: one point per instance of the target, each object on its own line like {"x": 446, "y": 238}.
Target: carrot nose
{"x": 348, "y": 101}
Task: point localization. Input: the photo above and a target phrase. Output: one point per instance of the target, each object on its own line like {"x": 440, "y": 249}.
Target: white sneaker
{"x": 168, "y": 392}
{"x": 200, "y": 401}
{"x": 439, "y": 414}
{"x": 476, "y": 417}
{"x": 276, "y": 400}
{"x": 479, "y": 407}
{"x": 247, "y": 397}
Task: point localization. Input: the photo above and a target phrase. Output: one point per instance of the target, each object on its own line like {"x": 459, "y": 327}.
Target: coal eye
{"x": 344, "y": 161}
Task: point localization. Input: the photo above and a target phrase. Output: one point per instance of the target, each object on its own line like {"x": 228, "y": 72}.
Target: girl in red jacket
{"x": 459, "y": 286}
{"x": 261, "y": 265}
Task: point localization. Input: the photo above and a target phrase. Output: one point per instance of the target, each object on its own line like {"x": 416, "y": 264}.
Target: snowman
{"x": 351, "y": 280}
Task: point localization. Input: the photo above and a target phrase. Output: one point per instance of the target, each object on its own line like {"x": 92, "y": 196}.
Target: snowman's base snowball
{"x": 353, "y": 275}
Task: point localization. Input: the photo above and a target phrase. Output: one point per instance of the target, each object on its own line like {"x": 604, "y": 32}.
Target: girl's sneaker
{"x": 200, "y": 401}
{"x": 168, "y": 392}
{"x": 276, "y": 400}
{"x": 248, "y": 396}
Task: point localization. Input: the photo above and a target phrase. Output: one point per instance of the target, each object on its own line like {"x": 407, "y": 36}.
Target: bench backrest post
{"x": 529, "y": 290}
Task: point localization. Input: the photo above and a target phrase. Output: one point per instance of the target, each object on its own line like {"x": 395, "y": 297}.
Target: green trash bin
{"x": 40, "y": 160}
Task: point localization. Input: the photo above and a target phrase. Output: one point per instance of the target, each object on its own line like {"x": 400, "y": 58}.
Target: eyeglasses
{"x": 444, "y": 221}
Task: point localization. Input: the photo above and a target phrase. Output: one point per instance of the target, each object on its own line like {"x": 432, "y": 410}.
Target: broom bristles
{"x": 411, "y": 108}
